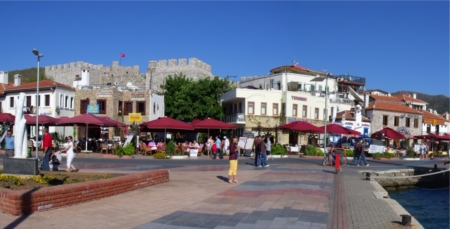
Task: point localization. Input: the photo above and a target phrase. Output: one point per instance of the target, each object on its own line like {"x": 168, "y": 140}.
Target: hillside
{"x": 440, "y": 103}
{"x": 28, "y": 75}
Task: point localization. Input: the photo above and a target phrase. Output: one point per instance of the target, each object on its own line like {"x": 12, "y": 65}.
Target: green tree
{"x": 186, "y": 99}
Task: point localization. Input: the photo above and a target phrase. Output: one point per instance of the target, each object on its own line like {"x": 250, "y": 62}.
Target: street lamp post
{"x": 320, "y": 79}
{"x": 38, "y": 55}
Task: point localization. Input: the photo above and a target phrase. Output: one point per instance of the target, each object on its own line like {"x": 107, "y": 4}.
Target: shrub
{"x": 128, "y": 149}
{"x": 278, "y": 150}
{"x": 29, "y": 153}
{"x": 377, "y": 155}
{"x": 410, "y": 152}
{"x": 388, "y": 155}
{"x": 349, "y": 153}
{"x": 160, "y": 155}
{"x": 170, "y": 148}
{"x": 320, "y": 153}
{"x": 118, "y": 151}
{"x": 313, "y": 151}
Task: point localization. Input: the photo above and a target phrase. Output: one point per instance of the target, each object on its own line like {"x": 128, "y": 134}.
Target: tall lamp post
{"x": 38, "y": 55}
{"x": 320, "y": 79}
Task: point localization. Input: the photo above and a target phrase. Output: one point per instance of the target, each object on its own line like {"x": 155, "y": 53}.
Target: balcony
{"x": 238, "y": 118}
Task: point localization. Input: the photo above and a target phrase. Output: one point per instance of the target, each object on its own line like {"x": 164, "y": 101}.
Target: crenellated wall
{"x": 158, "y": 70}
{"x": 99, "y": 74}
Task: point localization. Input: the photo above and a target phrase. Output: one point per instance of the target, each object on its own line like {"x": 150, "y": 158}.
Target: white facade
{"x": 55, "y": 102}
{"x": 157, "y": 106}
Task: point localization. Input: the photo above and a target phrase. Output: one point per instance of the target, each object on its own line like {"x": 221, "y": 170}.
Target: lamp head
{"x": 36, "y": 53}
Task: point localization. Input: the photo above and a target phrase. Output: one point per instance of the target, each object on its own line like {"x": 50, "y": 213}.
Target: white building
{"x": 55, "y": 100}
{"x": 288, "y": 94}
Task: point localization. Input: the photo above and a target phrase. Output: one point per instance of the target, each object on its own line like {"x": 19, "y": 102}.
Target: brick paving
{"x": 289, "y": 195}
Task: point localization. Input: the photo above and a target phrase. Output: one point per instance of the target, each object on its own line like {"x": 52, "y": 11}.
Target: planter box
{"x": 178, "y": 157}
{"x": 307, "y": 156}
{"x": 278, "y": 156}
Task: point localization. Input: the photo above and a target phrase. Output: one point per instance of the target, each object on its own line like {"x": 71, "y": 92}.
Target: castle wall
{"x": 159, "y": 70}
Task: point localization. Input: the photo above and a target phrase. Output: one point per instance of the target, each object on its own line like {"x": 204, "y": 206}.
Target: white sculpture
{"x": 20, "y": 130}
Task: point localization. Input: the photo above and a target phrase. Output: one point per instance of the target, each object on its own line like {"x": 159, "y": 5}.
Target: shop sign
{"x": 137, "y": 97}
{"x": 349, "y": 123}
{"x": 298, "y": 98}
{"x": 104, "y": 93}
{"x": 403, "y": 130}
{"x": 412, "y": 115}
{"x": 93, "y": 109}
{"x": 135, "y": 117}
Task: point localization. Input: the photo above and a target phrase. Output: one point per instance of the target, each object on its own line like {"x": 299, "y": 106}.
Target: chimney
{"x": 17, "y": 80}
{"x": 3, "y": 77}
{"x": 446, "y": 115}
{"x": 414, "y": 95}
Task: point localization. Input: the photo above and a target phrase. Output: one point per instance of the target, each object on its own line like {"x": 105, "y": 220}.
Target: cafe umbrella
{"x": 165, "y": 123}
{"x": 212, "y": 124}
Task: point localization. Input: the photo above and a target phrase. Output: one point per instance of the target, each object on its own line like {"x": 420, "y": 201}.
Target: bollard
{"x": 367, "y": 176}
{"x": 338, "y": 162}
{"x": 406, "y": 220}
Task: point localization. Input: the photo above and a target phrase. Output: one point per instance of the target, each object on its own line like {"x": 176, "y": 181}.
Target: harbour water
{"x": 429, "y": 206}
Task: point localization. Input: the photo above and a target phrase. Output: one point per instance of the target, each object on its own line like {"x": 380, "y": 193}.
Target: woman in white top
{"x": 70, "y": 155}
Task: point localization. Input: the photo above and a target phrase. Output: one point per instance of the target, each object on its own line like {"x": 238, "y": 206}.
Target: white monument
{"x": 20, "y": 129}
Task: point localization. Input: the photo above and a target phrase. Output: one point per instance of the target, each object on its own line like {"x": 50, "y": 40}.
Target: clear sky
{"x": 394, "y": 45}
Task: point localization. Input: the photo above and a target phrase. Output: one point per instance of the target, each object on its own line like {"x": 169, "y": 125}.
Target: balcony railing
{"x": 342, "y": 100}
{"x": 234, "y": 118}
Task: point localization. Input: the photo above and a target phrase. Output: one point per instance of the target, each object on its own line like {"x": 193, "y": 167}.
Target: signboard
{"x": 104, "y": 93}
{"x": 298, "y": 98}
{"x": 46, "y": 112}
{"x": 404, "y": 131}
{"x": 248, "y": 134}
{"x": 134, "y": 117}
{"x": 137, "y": 97}
{"x": 241, "y": 142}
{"x": 93, "y": 109}
{"x": 412, "y": 115}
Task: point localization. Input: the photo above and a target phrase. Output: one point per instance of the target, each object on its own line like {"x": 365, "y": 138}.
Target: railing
{"x": 350, "y": 78}
{"x": 342, "y": 100}
{"x": 234, "y": 118}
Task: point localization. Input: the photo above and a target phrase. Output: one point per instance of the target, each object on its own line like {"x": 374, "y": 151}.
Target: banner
{"x": 135, "y": 117}
{"x": 93, "y": 109}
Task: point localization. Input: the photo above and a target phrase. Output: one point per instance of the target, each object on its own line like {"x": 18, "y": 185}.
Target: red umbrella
{"x": 338, "y": 129}
{"x": 210, "y": 123}
{"x": 166, "y": 123}
{"x": 43, "y": 120}
{"x": 119, "y": 124}
{"x": 301, "y": 126}
{"x": 444, "y": 137}
{"x": 388, "y": 133}
{"x": 7, "y": 117}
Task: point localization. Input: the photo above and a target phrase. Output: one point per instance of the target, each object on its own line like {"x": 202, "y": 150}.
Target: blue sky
{"x": 394, "y": 45}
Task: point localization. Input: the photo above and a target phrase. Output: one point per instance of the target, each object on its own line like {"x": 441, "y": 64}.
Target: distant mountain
{"x": 440, "y": 103}
{"x": 28, "y": 75}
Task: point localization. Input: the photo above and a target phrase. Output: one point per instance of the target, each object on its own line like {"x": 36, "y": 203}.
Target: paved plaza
{"x": 291, "y": 193}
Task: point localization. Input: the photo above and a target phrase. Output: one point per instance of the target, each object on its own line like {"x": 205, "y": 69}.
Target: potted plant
{"x": 278, "y": 151}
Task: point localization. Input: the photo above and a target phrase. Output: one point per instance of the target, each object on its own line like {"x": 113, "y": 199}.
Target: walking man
{"x": 218, "y": 149}
{"x": 257, "y": 147}
{"x": 356, "y": 153}
{"x": 361, "y": 154}
{"x": 9, "y": 144}
{"x": 423, "y": 150}
{"x": 47, "y": 149}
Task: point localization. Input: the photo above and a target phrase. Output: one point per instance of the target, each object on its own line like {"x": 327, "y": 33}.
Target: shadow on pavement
{"x": 328, "y": 171}
{"x": 225, "y": 179}
{"x": 26, "y": 209}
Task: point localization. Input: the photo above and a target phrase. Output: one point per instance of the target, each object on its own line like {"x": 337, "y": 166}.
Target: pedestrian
{"x": 226, "y": 145}
{"x": 257, "y": 147}
{"x": 218, "y": 151}
{"x": 362, "y": 154}
{"x": 9, "y": 144}
{"x": 423, "y": 150}
{"x": 232, "y": 172}
{"x": 268, "y": 147}
{"x": 46, "y": 149}
{"x": 209, "y": 145}
{"x": 356, "y": 153}
{"x": 262, "y": 159}
{"x": 70, "y": 155}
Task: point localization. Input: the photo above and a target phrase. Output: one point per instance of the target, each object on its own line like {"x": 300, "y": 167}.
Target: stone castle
{"x": 155, "y": 75}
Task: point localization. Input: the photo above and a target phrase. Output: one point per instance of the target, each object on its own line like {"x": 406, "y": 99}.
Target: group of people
{"x": 359, "y": 153}
{"x": 262, "y": 146}
{"x": 47, "y": 149}
{"x": 218, "y": 146}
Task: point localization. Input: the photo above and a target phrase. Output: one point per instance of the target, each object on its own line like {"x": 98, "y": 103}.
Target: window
{"x": 396, "y": 120}
{"x": 294, "y": 110}
{"x": 304, "y": 111}
{"x": 47, "y": 100}
{"x": 325, "y": 115}
{"x": 66, "y": 102}
{"x": 240, "y": 107}
{"x": 275, "y": 108}
{"x": 28, "y": 104}
{"x": 279, "y": 85}
{"x": 408, "y": 122}
{"x": 263, "y": 108}
{"x": 101, "y": 106}
{"x": 128, "y": 108}
{"x": 61, "y": 101}
{"x": 416, "y": 123}
{"x": 154, "y": 108}
{"x": 119, "y": 108}
{"x": 71, "y": 102}
{"x": 140, "y": 107}
{"x": 11, "y": 102}
{"x": 385, "y": 120}
{"x": 316, "y": 113}
{"x": 83, "y": 106}
{"x": 251, "y": 107}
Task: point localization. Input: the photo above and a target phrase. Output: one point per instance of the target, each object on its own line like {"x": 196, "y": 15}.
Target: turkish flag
{"x": 122, "y": 55}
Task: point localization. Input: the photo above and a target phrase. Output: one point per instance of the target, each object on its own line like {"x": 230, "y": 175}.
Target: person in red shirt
{"x": 46, "y": 149}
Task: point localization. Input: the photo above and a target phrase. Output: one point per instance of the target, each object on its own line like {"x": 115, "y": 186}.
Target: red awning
{"x": 338, "y": 129}
{"x": 388, "y": 133}
{"x": 210, "y": 123}
{"x": 301, "y": 126}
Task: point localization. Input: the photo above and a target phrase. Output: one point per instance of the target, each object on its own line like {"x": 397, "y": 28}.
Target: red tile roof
{"x": 408, "y": 98}
{"x": 391, "y": 106}
{"x": 4, "y": 87}
{"x": 42, "y": 84}
{"x": 387, "y": 98}
{"x": 349, "y": 115}
{"x": 428, "y": 115}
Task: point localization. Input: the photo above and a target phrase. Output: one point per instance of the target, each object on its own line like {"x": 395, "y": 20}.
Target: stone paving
{"x": 288, "y": 195}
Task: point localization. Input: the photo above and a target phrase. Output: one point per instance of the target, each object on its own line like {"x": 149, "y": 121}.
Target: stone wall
{"x": 377, "y": 121}
{"x": 157, "y": 71}
{"x": 99, "y": 74}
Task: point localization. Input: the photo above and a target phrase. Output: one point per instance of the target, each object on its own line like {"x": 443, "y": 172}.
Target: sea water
{"x": 429, "y": 206}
